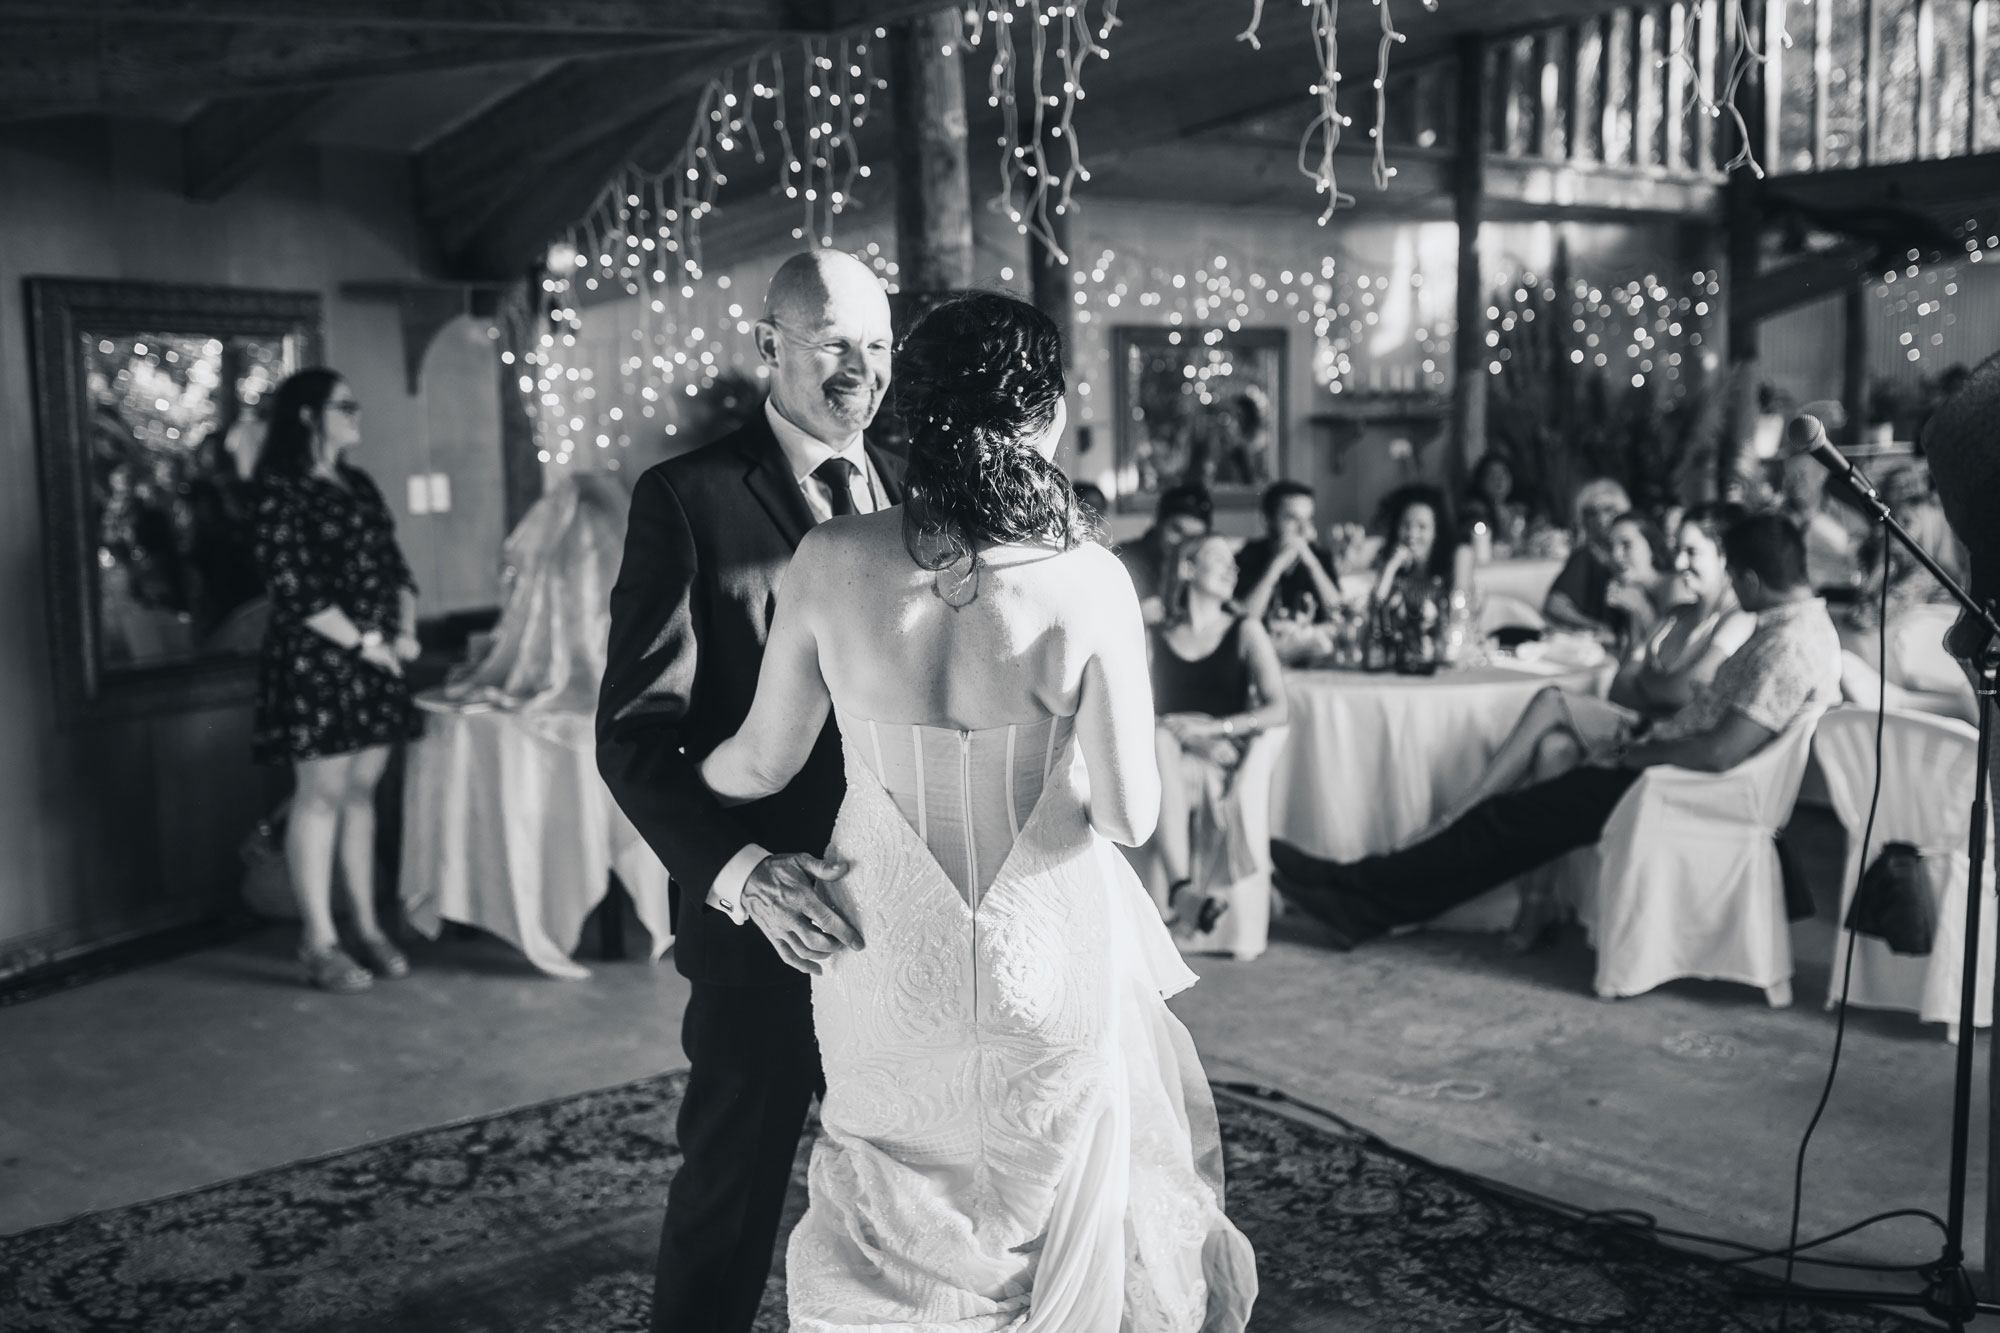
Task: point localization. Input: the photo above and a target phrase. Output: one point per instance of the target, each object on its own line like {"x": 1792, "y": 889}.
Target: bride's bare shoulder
{"x": 1095, "y": 581}
{"x": 839, "y": 547}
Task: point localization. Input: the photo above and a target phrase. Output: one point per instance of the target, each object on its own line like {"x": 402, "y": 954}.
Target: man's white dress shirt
{"x": 804, "y": 454}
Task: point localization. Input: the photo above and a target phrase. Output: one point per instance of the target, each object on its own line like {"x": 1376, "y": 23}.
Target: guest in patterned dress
{"x": 331, "y": 698}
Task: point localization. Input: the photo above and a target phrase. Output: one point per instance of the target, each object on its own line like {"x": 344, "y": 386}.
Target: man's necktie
{"x": 836, "y": 474}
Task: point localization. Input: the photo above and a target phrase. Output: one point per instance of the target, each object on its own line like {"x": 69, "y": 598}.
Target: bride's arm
{"x": 791, "y": 704}
{"x": 1114, "y": 716}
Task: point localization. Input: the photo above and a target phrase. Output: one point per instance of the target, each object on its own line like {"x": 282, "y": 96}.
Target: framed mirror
{"x": 146, "y": 401}
{"x": 1198, "y": 404}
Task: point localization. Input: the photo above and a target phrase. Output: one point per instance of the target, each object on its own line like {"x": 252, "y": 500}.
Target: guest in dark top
{"x": 1183, "y": 513}
{"x": 1285, "y": 574}
{"x": 1493, "y": 500}
{"x": 1092, "y": 499}
{"x": 1579, "y": 598}
{"x": 1216, "y": 685}
{"x": 330, "y": 693}
{"x": 1419, "y": 547}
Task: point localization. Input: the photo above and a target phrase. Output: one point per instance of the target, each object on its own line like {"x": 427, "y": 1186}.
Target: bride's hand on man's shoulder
{"x": 782, "y": 896}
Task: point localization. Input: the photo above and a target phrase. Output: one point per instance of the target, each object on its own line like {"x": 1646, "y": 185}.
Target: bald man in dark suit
{"x": 710, "y": 536}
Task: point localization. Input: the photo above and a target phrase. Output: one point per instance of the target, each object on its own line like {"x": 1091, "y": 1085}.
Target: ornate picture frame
{"x": 145, "y": 408}
{"x": 1199, "y": 403}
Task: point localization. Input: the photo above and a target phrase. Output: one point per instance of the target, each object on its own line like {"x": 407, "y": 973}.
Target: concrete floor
{"x": 1687, "y": 1103}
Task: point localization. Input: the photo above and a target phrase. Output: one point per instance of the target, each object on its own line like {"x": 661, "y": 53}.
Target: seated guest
{"x": 1420, "y": 547}
{"x": 1578, "y": 598}
{"x": 1492, "y": 500}
{"x": 1642, "y": 578}
{"x": 1919, "y": 672}
{"x": 1091, "y": 499}
{"x": 1790, "y": 663}
{"x": 1285, "y": 574}
{"x": 1834, "y": 532}
{"x": 1182, "y": 513}
{"x": 1658, "y": 677}
{"x": 1216, "y": 685}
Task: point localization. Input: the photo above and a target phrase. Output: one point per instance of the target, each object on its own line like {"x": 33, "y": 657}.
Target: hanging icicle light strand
{"x": 1030, "y": 189}
{"x": 1743, "y": 54}
{"x": 1321, "y": 139}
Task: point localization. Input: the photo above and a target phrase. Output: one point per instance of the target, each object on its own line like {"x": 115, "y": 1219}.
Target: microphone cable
{"x": 1847, "y": 964}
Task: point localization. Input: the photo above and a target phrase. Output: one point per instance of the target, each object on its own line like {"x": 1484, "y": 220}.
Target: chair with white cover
{"x": 1927, "y": 770}
{"x": 1689, "y": 883}
{"x": 1243, "y": 932}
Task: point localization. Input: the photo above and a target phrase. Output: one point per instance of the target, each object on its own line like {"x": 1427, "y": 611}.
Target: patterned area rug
{"x": 544, "y": 1219}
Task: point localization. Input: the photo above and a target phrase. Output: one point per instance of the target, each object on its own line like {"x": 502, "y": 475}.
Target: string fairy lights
{"x": 1031, "y": 191}
{"x": 1321, "y": 139}
{"x": 1744, "y": 54}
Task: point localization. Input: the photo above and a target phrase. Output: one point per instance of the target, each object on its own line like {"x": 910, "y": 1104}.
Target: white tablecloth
{"x": 1529, "y": 580}
{"x": 508, "y": 827}
{"x": 1374, "y": 758}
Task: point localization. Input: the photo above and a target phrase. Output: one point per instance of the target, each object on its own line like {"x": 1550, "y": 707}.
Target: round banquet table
{"x": 1528, "y": 579}
{"x": 1373, "y": 758}
{"x": 508, "y": 827}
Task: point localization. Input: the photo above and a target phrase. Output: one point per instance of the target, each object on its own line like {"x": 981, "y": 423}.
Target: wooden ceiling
{"x": 575, "y": 88}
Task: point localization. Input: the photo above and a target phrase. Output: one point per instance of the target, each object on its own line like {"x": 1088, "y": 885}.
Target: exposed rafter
{"x": 529, "y": 152}
{"x": 230, "y": 139}
{"x": 659, "y": 18}
{"x": 58, "y": 65}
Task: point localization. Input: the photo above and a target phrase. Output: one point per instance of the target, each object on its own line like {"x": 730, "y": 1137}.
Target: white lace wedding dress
{"x": 1016, "y": 1133}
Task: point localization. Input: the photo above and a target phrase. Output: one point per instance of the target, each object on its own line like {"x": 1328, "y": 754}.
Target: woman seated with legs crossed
{"x": 1216, "y": 686}
{"x": 1562, "y": 729}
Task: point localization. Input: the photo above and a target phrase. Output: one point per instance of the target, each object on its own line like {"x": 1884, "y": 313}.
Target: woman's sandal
{"x": 332, "y": 970}
{"x": 1212, "y": 908}
{"x": 382, "y": 958}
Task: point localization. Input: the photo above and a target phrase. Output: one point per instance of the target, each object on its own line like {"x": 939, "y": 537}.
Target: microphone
{"x": 1806, "y": 434}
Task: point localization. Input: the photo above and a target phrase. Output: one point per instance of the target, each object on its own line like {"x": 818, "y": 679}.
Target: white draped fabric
{"x": 509, "y": 828}
{"x": 1016, "y": 1135}
{"x": 1374, "y": 759}
{"x": 1927, "y": 769}
{"x": 507, "y": 825}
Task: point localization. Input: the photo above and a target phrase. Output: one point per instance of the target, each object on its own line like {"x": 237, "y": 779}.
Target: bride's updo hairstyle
{"x": 976, "y": 382}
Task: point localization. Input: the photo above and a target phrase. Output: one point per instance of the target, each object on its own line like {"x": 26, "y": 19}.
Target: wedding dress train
{"x": 1016, "y": 1134}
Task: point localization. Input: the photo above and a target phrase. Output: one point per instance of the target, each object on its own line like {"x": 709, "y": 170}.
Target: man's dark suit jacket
{"x": 708, "y": 540}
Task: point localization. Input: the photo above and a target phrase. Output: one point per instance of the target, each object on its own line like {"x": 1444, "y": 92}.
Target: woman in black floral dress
{"x": 331, "y": 698}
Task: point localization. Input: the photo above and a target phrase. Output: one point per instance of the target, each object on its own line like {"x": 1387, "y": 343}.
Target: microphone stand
{"x": 1948, "y": 1292}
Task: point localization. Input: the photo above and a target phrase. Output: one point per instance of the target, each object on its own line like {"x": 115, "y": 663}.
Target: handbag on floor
{"x": 1896, "y": 901}
{"x": 267, "y": 881}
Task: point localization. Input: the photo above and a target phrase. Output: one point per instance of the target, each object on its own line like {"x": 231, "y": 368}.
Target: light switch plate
{"x": 420, "y": 494}
{"x": 440, "y": 488}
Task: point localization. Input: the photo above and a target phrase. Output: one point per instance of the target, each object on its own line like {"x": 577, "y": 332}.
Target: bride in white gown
{"x": 1016, "y": 1133}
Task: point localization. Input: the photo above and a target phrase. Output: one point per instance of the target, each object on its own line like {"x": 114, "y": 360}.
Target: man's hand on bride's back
{"x": 782, "y": 896}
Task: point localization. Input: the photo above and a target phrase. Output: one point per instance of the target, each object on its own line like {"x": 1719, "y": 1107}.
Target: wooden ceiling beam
{"x": 466, "y": 176}
{"x": 146, "y": 64}
{"x": 657, "y": 18}
{"x": 524, "y": 215}
{"x": 230, "y": 139}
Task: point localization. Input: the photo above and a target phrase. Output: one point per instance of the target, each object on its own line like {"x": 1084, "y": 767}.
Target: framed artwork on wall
{"x": 1198, "y": 404}
{"x": 146, "y": 405}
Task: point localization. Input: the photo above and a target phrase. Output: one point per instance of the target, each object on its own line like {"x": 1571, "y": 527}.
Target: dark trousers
{"x": 1498, "y": 839}
{"x": 753, "y": 1071}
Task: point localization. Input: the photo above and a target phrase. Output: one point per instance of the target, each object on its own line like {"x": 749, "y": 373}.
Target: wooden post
{"x": 1468, "y": 344}
{"x": 933, "y": 186}
{"x": 521, "y": 478}
{"x": 1854, "y": 361}
{"x": 1053, "y": 291}
{"x": 1742, "y": 208}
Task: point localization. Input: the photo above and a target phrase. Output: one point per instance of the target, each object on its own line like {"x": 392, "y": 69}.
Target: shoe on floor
{"x": 381, "y": 957}
{"x": 332, "y": 970}
{"x": 1298, "y": 866}
{"x": 1323, "y": 905}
